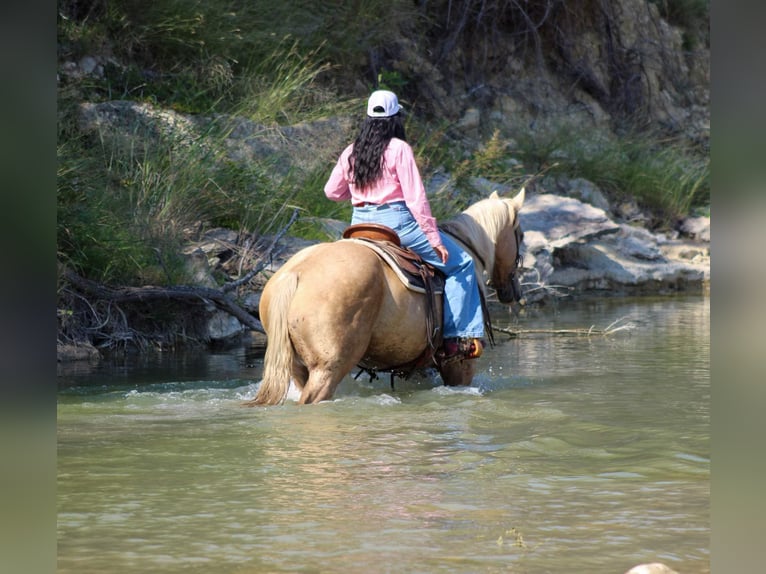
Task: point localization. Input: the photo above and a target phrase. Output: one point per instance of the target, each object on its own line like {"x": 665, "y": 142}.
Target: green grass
{"x": 664, "y": 176}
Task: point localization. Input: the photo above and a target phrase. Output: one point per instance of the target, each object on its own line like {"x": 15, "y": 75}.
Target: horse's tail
{"x": 279, "y": 349}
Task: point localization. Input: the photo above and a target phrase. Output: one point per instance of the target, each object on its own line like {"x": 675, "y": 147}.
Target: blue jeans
{"x": 462, "y": 303}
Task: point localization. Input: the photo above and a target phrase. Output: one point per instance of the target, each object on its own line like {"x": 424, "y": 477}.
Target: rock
{"x": 198, "y": 268}
{"x": 696, "y": 228}
{"x": 222, "y": 327}
{"x": 218, "y": 246}
{"x": 653, "y": 568}
{"x": 638, "y": 243}
{"x": 563, "y": 220}
{"x": 83, "y": 351}
{"x": 628, "y": 210}
{"x": 575, "y": 248}
{"x": 551, "y": 222}
{"x": 692, "y": 253}
{"x": 90, "y": 66}
{"x": 251, "y": 301}
{"x": 470, "y": 121}
{"x": 588, "y": 192}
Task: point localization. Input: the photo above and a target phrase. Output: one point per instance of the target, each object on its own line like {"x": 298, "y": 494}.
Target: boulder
{"x": 575, "y": 248}
{"x": 653, "y": 568}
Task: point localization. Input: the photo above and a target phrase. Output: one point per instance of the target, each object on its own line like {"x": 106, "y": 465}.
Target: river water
{"x": 569, "y": 453}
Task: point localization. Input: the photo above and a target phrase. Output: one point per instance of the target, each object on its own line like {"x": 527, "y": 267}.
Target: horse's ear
{"x": 494, "y": 195}
{"x": 518, "y": 201}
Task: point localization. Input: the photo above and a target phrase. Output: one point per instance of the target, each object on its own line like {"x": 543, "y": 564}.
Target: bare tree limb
{"x": 610, "y": 329}
{"x": 178, "y": 293}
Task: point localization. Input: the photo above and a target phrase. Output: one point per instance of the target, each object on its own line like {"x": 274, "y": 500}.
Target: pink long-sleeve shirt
{"x": 400, "y": 181}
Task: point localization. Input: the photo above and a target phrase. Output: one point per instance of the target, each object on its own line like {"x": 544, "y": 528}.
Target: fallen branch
{"x": 178, "y": 293}
{"x": 610, "y": 329}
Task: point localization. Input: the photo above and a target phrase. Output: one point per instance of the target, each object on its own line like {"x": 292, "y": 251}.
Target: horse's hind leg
{"x": 458, "y": 373}
{"x": 320, "y": 386}
{"x": 299, "y": 374}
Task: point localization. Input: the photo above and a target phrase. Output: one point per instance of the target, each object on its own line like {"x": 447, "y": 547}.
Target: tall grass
{"x": 125, "y": 210}
{"x": 281, "y": 88}
{"x": 664, "y": 176}
{"x": 200, "y": 56}
{"x": 127, "y": 204}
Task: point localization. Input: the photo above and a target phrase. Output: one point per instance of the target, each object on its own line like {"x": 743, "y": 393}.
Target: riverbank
{"x": 177, "y": 172}
{"x": 572, "y": 250}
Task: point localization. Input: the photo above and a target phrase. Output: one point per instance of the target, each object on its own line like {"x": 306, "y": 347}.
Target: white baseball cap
{"x": 383, "y": 104}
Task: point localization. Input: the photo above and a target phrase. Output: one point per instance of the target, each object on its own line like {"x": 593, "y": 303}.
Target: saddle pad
{"x": 411, "y": 281}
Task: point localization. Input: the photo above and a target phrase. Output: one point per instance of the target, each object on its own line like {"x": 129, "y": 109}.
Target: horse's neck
{"x": 483, "y": 252}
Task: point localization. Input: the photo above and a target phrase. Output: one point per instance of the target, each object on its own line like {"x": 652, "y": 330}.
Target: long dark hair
{"x": 365, "y": 163}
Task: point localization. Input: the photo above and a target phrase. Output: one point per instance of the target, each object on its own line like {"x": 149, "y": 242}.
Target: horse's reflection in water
{"x": 333, "y": 304}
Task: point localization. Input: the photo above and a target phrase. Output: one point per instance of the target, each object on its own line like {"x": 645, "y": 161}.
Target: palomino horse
{"x": 335, "y": 305}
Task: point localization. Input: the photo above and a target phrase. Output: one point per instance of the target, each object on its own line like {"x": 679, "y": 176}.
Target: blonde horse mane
{"x": 480, "y": 224}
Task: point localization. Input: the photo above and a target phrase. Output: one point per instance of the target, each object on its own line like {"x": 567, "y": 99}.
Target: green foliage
{"x": 392, "y": 80}
{"x": 663, "y": 175}
{"x": 125, "y": 208}
{"x": 199, "y": 56}
{"x": 493, "y": 161}
{"x": 281, "y": 87}
{"x": 173, "y": 52}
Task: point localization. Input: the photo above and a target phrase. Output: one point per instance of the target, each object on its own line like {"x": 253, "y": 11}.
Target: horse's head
{"x": 504, "y": 273}
{"x": 490, "y": 229}
{"x": 508, "y": 259}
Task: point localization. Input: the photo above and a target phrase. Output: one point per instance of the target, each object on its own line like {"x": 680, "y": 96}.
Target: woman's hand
{"x": 442, "y": 252}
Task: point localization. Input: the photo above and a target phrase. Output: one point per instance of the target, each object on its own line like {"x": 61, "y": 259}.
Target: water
{"x": 568, "y": 454}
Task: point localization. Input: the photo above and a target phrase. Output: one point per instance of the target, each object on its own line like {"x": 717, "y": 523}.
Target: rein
{"x": 467, "y": 246}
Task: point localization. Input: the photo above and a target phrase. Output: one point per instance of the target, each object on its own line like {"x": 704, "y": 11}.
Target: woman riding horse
{"x": 333, "y": 306}
{"x": 378, "y": 173}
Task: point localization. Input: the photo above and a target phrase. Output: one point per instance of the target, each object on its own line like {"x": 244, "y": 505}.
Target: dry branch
{"x": 610, "y": 329}
{"x": 176, "y": 293}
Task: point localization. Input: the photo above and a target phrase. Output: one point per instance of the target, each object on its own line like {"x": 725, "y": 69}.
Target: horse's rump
{"x": 349, "y": 304}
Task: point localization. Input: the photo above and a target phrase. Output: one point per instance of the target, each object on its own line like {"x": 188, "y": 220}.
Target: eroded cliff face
{"x": 594, "y": 62}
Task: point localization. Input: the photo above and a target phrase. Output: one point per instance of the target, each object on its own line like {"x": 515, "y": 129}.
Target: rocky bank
{"x": 572, "y": 249}
{"x": 576, "y": 243}
{"x": 623, "y": 61}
